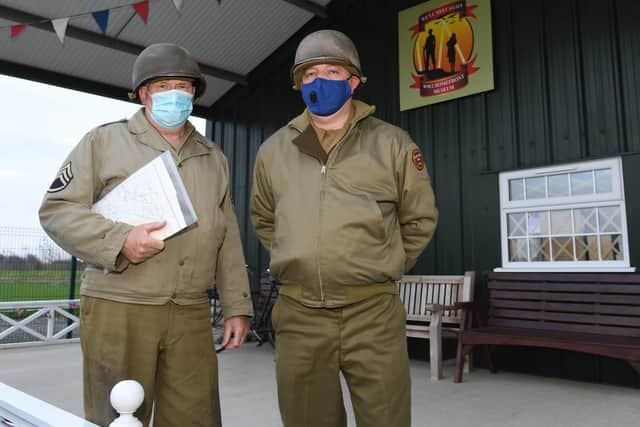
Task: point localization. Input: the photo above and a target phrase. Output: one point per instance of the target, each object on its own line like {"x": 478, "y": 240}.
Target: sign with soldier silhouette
{"x": 445, "y": 51}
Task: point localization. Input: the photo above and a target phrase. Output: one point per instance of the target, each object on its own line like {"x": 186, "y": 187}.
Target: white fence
{"x": 50, "y": 323}
{"x": 18, "y": 409}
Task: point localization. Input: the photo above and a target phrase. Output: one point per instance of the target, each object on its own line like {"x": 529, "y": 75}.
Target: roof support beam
{"x": 106, "y": 41}
{"x": 310, "y": 6}
{"x": 26, "y": 72}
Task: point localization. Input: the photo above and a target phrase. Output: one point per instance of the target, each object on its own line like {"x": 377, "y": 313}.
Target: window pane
{"x": 539, "y": 249}
{"x": 582, "y": 183}
{"x": 538, "y": 223}
{"x": 586, "y": 248}
{"x": 516, "y": 189}
{"x": 517, "y": 225}
{"x": 562, "y": 248}
{"x": 561, "y": 222}
{"x": 604, "y": 181}
{"x": 609, "y": 218}
{"x": 518, "y": 250}
{"x": 559, "y": 185}
{"x": 536, "y": 188}
{"x": 585, "y": 220}
{"x": 611, "y": 247}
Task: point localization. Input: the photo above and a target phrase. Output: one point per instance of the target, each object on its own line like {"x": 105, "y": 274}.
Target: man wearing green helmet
{"x": 344, "y": 204}
{"x": 144, "y": 312}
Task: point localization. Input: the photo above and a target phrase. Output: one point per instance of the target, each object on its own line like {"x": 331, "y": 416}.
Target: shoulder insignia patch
{"x": 62, "y": 180}
{"x": 417, "y": 159}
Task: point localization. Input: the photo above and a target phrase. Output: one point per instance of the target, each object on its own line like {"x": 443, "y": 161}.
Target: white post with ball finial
{"x": 126, "y": 398}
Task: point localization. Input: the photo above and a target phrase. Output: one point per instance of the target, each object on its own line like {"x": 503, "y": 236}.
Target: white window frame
{"x": 548, "y": 204}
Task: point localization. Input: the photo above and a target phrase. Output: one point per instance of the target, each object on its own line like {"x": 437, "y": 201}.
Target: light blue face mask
{"x": 172, "y": 108}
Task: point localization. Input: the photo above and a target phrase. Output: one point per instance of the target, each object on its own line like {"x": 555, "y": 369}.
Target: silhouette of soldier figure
{"x": 451, "y": 51}
{"x": 430, "y": 50}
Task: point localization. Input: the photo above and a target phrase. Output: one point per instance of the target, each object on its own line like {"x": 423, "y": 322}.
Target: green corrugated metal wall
{"x": 567, "y": 78}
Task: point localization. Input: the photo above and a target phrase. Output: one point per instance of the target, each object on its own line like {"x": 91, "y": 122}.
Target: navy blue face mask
{"x": 324, "y": 97}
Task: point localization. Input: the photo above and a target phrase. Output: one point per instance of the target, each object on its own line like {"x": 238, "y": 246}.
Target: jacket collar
{"x": 146, "y": 134}
{"x": 363, "y": 111}
{"x": 308, "y": 142}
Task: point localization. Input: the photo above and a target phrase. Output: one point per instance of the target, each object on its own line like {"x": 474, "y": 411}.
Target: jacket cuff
{"x": 238, "y": 310}
{"x": 112, "y": 259}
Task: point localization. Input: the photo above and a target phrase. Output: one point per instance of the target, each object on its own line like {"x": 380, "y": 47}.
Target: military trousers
{"x": 364, "y": 341}
{"x": 167, "y": 348}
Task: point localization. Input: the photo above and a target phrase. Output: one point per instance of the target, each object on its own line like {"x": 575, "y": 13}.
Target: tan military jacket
{"x": 207, "y": 254}
{"x": 344, "y": 226}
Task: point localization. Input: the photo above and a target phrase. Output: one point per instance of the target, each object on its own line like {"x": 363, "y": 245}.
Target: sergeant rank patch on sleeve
{"x": 62, "y": 180}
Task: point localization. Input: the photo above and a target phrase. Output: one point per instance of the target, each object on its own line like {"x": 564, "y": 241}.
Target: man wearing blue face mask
{"x": 344, "y": 204}
{"x": 144, "y": 311}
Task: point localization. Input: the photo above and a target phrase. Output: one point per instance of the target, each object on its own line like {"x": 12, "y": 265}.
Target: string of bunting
{"x": 101, "y": 18}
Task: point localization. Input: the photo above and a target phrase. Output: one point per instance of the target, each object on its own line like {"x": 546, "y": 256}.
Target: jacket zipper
{"x": 323, "y": 173}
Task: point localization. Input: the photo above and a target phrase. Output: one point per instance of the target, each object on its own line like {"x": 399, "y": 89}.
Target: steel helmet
{"x": 326, "y": 47}
{"x": 165, "y": 60}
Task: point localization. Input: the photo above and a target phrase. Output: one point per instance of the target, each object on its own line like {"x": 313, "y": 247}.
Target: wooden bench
{"x": 596, "y": 313}
{"x": 433, "y": 312}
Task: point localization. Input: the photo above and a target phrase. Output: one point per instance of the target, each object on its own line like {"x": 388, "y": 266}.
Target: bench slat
{"x": 595, "y": 329}
{"x": 569, "y": 297}
{"x": 584, "y": 278}
{"x": 604, "y": 288}
{"x": 569, "y": 307}
{"x": 589, "y": 319}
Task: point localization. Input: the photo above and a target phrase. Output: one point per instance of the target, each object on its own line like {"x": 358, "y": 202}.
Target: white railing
{"x": 43, "y": 318}
{"x": 18, "y": 409}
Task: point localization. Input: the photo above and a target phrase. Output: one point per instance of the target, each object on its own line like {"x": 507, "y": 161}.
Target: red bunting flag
{"x": 17, "y": 29}
{"x": 142, "y": 9}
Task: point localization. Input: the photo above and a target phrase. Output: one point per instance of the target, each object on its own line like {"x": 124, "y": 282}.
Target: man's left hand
{"x": 235, "y": 331}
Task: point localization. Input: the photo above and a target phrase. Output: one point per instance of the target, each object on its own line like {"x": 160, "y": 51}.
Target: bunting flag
{"x": 17, "y": 29}
{"x": 142, "y": 9}
{"x": 178, "y": 5}
{"x": 60, "y": 27}
{"x": 102, "y": 19}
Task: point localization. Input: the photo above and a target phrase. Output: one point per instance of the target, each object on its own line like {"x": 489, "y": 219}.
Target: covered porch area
{"x": 247, "y": 382}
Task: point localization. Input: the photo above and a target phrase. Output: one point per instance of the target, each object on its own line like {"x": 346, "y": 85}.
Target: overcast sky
{"x": 39, "y": 125}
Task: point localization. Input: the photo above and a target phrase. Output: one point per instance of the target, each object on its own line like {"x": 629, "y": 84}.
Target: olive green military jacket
{"x": 206, "y": 254}
{"x": 344, "y": 226}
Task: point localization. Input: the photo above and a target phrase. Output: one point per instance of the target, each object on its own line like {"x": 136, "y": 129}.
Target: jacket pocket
{"x": 294, "y": 242}
{"x": 356, "y": 241}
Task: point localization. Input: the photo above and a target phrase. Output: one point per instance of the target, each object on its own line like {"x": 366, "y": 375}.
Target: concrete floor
{"x": 247, "y": 383}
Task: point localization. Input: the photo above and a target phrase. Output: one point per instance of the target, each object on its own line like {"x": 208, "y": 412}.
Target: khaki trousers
{"x": 365, "y": 341}
{"x": 167, "y": 348}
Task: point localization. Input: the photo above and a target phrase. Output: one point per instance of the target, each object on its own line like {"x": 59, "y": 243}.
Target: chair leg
{"x": 492, "y": 366}
{"x": 468, "y": 362}
{"x": 460, "y": 356}
{"x": 435, "y": 345}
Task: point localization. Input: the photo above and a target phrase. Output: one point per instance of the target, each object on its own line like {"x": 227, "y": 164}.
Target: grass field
{"x": 33, "y": 285}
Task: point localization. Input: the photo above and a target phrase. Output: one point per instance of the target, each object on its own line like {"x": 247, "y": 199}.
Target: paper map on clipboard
{"x": 155, "y": 192}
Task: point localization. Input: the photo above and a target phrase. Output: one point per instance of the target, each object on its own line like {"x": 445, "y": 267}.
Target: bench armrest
{"x": 441, "y": 307}
{"x": 473, "y": 310}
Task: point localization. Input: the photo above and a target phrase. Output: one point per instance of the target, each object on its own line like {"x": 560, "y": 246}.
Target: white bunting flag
{"x": 178, "y": 4}
{"x": 60, "y": 26}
